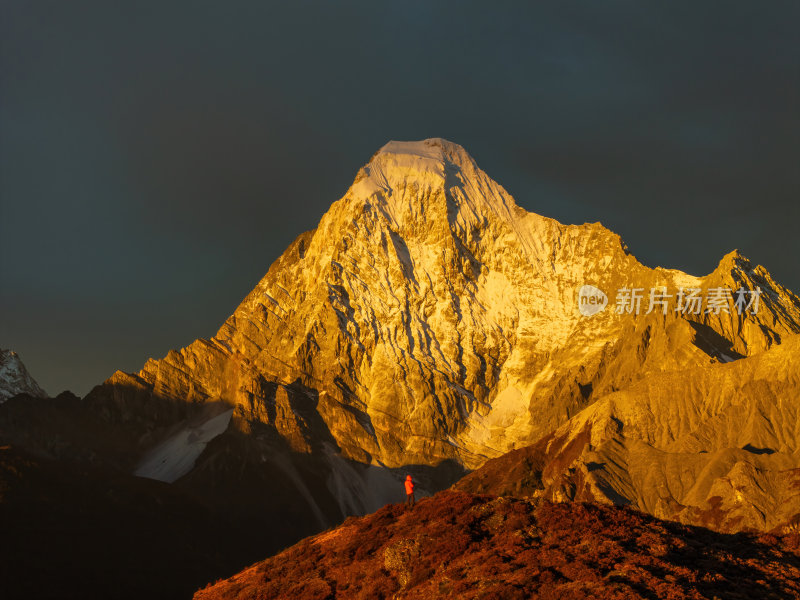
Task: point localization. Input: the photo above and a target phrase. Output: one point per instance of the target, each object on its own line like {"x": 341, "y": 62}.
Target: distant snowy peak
{"x": 15, "y": 379}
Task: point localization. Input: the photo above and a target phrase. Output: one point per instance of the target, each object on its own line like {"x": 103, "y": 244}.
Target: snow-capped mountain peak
{"x": 431, "y": 318}
{"x": 15, "y": 379}
{"x": 402, "y": 172}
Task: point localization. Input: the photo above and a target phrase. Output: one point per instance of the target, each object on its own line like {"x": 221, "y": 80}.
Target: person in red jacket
{"x": 409, "y": 491}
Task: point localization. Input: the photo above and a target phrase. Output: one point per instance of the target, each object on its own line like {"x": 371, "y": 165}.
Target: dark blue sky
{"x": 155, "y": 158}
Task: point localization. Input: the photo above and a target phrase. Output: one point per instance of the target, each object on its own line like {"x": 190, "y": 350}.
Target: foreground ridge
{"x": 478, "y": 546}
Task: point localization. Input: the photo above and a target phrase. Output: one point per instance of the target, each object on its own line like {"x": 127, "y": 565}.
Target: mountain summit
{"x": 433, "y": 164}
{"x": 429, "y": 318}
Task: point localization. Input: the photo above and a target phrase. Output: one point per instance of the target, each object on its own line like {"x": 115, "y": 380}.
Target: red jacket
{"x": 409, "y": 485}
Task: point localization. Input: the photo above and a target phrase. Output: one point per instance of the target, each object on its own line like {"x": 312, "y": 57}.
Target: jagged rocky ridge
{"x": 717, "y": 446}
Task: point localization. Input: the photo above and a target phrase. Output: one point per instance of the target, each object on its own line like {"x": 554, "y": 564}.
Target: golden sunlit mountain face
{"x": 429, "y": 326}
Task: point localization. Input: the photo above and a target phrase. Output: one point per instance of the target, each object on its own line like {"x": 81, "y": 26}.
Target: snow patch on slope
{"x": 175, "y": 457}
{"x": 681, "y": 279}
{"x": 430, "y": 149}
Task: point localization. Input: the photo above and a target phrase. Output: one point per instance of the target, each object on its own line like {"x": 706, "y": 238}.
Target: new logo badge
{"x": 591, "y": 300}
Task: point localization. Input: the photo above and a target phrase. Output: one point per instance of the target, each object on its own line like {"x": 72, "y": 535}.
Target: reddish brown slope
{"x": 472, "y": 546}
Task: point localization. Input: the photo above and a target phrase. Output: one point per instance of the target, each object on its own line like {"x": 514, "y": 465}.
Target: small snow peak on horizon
{"x": 15, "y": 379}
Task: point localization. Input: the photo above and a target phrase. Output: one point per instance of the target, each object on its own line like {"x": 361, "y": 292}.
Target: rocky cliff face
{"x": 717, "y": 446}
{"x": 429, "y": 318}
{"x": 15, "y": 379}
